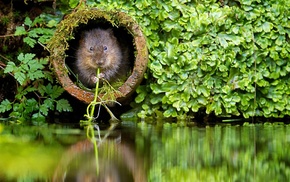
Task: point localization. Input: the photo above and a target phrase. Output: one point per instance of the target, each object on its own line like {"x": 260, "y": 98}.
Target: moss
{"x": 59, "y": 44}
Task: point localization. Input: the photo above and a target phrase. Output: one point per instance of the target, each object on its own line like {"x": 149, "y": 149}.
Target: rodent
{"x": 99, "y": 48}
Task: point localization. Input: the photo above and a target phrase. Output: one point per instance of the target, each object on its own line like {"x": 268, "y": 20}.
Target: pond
{"x": 146, "y": 152}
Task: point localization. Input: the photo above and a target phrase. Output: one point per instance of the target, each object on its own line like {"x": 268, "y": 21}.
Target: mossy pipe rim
{"x": 59, "y": 44}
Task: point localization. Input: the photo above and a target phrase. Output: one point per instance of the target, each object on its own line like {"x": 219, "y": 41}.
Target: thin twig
{"x": 9, "y": 35}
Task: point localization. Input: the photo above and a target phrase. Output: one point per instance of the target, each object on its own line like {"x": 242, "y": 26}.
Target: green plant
{"x": 4, "y": 20}
{"x": 219, "y": 153}
{"x": 34, "y": 81}
{"x": 229, "y": 59}
{"x": 37, "y": 93}
{"x": 90, "y": 115}
{"x": 102, "y": 102}
{"x": 35, "y": 34}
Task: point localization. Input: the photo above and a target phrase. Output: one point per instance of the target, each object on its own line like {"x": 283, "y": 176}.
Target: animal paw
{"x": 94, "y": 79}
{"x": 101, "y": 75}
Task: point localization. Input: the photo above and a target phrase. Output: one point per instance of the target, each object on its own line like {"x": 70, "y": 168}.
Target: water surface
{"x": 146, "y": 152}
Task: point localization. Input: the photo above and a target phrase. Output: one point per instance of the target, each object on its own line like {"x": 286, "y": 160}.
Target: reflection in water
{"x": 169, "y": 152}
{"x": 117, "y": 163}
{"x": 220, "y": 153}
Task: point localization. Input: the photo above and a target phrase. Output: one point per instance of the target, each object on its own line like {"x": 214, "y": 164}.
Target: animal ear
{"x": 82, "y": 37}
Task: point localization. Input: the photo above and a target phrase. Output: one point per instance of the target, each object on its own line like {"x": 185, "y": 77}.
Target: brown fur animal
{"x": 99, "y": 48}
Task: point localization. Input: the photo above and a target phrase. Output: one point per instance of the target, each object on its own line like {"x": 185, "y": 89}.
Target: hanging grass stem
{"x": 90, "y": 116}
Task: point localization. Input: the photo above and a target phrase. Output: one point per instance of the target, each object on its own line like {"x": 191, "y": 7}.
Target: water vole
{"x": 99, "y": 48}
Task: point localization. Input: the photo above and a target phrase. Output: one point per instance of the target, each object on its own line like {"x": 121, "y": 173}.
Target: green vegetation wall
{"x": 224, "y": 57}
{"x": 227, "y": 57}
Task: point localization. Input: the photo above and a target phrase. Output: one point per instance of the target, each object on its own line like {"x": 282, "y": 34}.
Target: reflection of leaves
{"x": 194, "y": 160}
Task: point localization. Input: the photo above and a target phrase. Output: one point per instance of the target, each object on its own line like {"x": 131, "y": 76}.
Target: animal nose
{"x": 100, "y": 62}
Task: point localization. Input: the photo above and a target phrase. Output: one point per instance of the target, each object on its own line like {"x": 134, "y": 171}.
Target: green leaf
{"x": 52, "y": 23}
{"x": 20, "y": 77}
{"x": 56, "y": 91}
{"x": 157, "y": 67}
{"x": 34, "y": 32}
{"x": 49, "y": 103}
{"x": 31, "y": 42}
{"x": 20, "y": 31}
{"x": 43, "y": 109}
{"x": 169, "y": 25}
{"x": 11, "y": 67}
{"x": 63, "y": 105}
{"x": 35, "y": 65}
{"x": 20, "y": 57}
{"x": 73, "y": 3}
{"x": 31, "y": 105}
{"x": 280, "y": 40}
{"x": 5, "y": 105}
{"x": 140, "y": 97}
{"x": 170, "y": 112}
{"x": 38, "y": 117}
{"x": 267, "y": 26}
{"x": 223, "y": 42}
{"x": 35, "y": 75}
{"x": 27, "y": 21}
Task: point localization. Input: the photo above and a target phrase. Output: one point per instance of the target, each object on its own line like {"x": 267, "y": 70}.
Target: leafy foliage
{"x": 224, "y": 57}
{"x": 30, "y": 75}
{"x": 219, "y": 153}
{"x": 37, "y": 93}
{"x": 36, "y": 34}
{"x": 229, "y": 58}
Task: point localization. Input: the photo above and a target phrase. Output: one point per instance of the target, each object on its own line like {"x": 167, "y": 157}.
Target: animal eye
{"x": 91, "y": 48}
{"x": 105, "y": 48}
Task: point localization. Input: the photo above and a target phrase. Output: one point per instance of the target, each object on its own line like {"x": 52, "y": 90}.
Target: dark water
{"x": 144, "y": 152}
